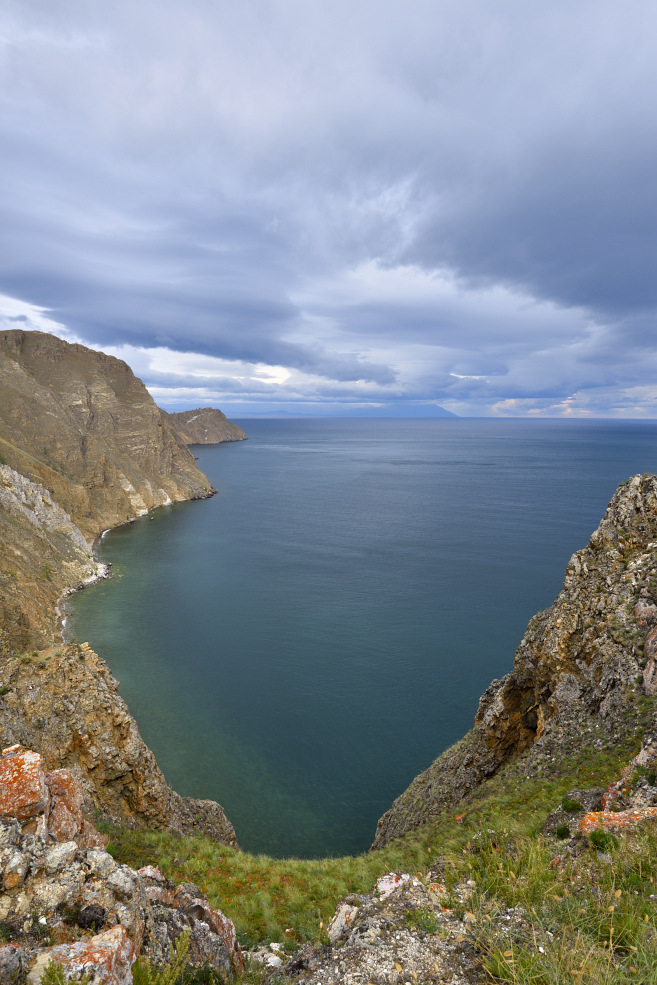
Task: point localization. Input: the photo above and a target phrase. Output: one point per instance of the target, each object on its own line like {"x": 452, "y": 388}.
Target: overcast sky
{"x": 339, "y": 206}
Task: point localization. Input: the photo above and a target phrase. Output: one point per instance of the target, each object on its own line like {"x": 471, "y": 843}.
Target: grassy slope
{"x": 293, "y": 900}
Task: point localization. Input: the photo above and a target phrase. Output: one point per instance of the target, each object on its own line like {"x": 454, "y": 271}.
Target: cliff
{"x": 42, "y": 553}
{"x": 85, "y": 448}
{"x": 574, "y": 673}
{"x": 65, "y": 705}
{"x": 206, "y": 426}
{"x": 81, "y": 424}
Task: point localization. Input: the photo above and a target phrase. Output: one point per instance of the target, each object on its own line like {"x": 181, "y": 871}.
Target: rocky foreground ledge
{"x": 65, "y": 899}
{"x": 64, "y": 704}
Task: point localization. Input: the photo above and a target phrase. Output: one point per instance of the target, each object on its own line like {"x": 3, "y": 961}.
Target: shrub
{"x": 146, "y": 973}
{"x": 570, "y": 806}
{"x": 54, "y": 975}
{"x": 602, "y": 840}
{"x": 423, "y": 920}
{"x": 563, "y": 831}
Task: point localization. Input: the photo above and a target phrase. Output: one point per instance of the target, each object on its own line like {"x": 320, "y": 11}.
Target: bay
{"x": 303, "y": 644}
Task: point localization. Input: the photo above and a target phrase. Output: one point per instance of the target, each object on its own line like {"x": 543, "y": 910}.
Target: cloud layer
{"x": 330, "y": 207}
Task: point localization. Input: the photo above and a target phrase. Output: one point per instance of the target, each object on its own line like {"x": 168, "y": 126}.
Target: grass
{"x": 293, "y": 900}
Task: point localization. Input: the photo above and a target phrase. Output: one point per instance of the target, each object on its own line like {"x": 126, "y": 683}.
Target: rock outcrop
{"x": 64, "y": 704}
{"x": 406, "y": 930}
{"x": 63, "y": 898}
{"x": 576, "y": 668}
{"x": 42, "y": 554}
{"x": 205, "y": 426}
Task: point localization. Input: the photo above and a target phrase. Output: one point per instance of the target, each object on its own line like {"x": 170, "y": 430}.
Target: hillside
{"x": 80, "y": 423}
{"x": 84, "y": 448}
{"x": 205, "y": 426}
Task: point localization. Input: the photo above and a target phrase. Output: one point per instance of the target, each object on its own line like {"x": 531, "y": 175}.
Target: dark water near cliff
{"x": 300, "y": 646}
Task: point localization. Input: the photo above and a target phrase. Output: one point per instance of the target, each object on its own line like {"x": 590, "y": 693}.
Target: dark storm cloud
{"x": 442, "y": 200}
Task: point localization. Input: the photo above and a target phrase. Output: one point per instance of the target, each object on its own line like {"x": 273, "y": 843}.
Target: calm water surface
{"x": 302, "y": 645}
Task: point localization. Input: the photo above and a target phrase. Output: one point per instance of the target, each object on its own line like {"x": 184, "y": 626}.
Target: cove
{"x": 303, "y": 644}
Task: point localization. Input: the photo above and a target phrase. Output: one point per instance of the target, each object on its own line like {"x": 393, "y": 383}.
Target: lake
{"x": 303, "y": 644}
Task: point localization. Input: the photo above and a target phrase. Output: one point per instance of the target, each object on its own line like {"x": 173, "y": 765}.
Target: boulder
{"x": 107, "y": 959}
{"x": 23, "y": 790}
{"x": 58, "y": 880}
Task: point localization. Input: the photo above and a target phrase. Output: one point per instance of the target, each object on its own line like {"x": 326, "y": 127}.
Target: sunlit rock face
{"x": 83, "y": 447}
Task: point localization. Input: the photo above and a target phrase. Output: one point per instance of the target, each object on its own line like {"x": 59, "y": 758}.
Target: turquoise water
{"x": 303, "y": 644}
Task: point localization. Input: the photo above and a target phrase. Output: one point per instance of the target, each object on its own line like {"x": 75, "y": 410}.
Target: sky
{"x": 339, "y": 207}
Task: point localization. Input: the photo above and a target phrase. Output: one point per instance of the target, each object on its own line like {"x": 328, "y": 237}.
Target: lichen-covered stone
{"x": 23, "y": 790}
{"x": 106, "y": 958}
{"x": 83, "y": 896}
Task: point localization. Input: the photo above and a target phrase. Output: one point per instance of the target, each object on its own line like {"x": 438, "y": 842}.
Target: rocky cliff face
{"x": 42, "y": 553}
{"x": 575, "y": 672}
{"x": 81, "y": 424}
{"x": 86, "y": 449}
{"x": 206, "y": 426}
{"x": 64, "y": 704}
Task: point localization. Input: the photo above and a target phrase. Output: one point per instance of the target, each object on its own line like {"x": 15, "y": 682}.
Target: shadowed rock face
{"x": 575, "y": 668}
{"x": 206, "y": 426}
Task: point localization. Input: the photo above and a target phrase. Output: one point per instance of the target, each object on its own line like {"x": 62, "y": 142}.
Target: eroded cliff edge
{"x": 574, "y": 672}
{"x": 80, "y": 434}
{"x": 83, "y": 447}
{"x": 65, "y": 705}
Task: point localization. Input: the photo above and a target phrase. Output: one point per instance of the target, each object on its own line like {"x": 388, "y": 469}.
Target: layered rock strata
{"x": 87, "y": 449}
{"x": 577, "y": 670}
{"x": 205, "y": 426}
{"x": 42, "y": 554}
{"x": 64, "y": 704}
{"x": 63, "y": 898}
{"x": 80, "y": 423}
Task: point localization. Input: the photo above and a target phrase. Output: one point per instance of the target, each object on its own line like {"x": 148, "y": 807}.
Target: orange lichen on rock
{"x": 28, "y": 792}
{"x": 107, "y": 958}
{"x": 23, "y": 790}
{"x": 608, "y": 820}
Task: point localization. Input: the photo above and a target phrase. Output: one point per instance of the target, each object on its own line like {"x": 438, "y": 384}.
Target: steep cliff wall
{"x": 86, "y": 448}
{"x": 206, "y": 426}
{"x": 80, "y": 423}
{"x": 42, "y": 553}
{"x": 65, "y": 705}
{"x": 577, "y": 670}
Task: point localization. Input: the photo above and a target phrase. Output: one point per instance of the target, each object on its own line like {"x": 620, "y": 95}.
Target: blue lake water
{"x": 303, "y": 644}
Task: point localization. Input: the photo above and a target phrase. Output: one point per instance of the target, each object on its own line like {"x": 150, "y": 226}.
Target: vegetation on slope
{"x": 492, "y": 838}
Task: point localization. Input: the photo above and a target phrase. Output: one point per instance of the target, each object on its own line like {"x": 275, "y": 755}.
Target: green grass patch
{"x": 293, "y": 900}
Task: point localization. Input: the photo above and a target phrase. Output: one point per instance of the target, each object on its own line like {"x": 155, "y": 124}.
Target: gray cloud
{"x": 219, "y": 179}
